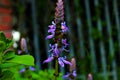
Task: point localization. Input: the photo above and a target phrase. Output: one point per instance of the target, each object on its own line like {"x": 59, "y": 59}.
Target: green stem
{"x": 0, "y": 58}
{"x": 56, "y": 74}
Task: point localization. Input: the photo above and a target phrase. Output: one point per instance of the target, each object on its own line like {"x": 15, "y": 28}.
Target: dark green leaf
{"x": 2, "y": 36}
{"x": 9, "y": 55}
{"x": 2, "y": 46}
{"x": 6, "y": 75}
{"x": 9, "y": 43}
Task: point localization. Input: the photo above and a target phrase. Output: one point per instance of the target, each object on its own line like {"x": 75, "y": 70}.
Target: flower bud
{"x": 73, "y": 66}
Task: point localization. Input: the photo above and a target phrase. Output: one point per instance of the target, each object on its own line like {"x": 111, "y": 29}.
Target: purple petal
{"x": 32, "y": 68}
{"x": 66, "y": 50}
{"x": 51, "y": 26}
{"x": 50, "y": 36}
{"x": 51, "y": 30}
{"x": 56, "y": 51}
{"x": 22, "y": 70}
{"x": 74, "y": 73}
{"x": 19, "y": 51}
{"x": 60, "y": 62}
{"x": 66, "y": 62}
{"x": 66, "y": 76}
{"x": 48, "y": 60}
{"x": 64, "y": 27}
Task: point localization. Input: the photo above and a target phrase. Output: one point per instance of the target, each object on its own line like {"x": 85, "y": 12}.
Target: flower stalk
{"x": 56, "y": 74}
{"x": 57, "y": 32}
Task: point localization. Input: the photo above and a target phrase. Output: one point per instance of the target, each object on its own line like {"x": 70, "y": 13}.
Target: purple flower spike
{"x": 64, "y": 27}
{"x": 49, "y": 59}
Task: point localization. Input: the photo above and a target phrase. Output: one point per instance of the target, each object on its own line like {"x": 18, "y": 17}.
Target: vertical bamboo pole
{"x": 117, "y": 21}
{"x": 36, "y": 35}
{"x": 101, "y": 44}
{"x": 79, "y": 30}
{"x": 80, "y": 36}
{"x": 111, "y": 46}
{"x": 91, "y": 43}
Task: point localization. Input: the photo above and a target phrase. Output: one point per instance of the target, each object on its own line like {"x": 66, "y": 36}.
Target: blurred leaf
{"x": 23, "y": 59}
{"x": 9, "y": 43}
{"x": 2, "y": 36}
{"x": 7, "y": 65}
{"x": 9, "y": 55}
{"x": 6, "y": 75}
{"x": 2, "y": 46}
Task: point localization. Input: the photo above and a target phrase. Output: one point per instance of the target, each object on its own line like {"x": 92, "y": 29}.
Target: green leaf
{"x": 6, "y": 75}
{"x": 9, "y": 43}
{"x": 7, "y": 65}
{"x": 23, "y": 59}
{"x": 2, "y": 36}
{"x": 2, "y": 46}
{"x": 9, "y": 55}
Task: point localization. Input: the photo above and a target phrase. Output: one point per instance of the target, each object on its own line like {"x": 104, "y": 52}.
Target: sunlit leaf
{"x": 23, "y": 59}
{"x": 7, "y": 65}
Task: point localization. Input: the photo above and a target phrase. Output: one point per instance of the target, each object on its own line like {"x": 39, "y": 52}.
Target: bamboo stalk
{"x": 117, "y": 20}
{"x": 35, "y": 36}
{"x": 101, "y": 44}
{"x": 111, "y": 45}
{"x": 91, "y": 42}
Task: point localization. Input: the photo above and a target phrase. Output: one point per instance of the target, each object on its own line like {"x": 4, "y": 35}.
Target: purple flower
{"x": 22, "y": 70}
{"x": 51, "y": 30}
{"x": 32, "y": 68}
{"x": 64, "y": 41}
{"x": 72, "y": 71}
{"x": 50, "y": 36}
{"x": 62, "y": 61}
{"x": 70, "y": 75}
{"x": 64, "y": 27}
{"x": 55, "y": 50}
{"x": 49, "y": 59}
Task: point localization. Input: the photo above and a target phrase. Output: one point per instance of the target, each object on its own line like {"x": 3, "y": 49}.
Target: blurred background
{"x": 94, "y": 33}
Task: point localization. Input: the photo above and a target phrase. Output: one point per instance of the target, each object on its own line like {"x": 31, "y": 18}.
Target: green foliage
{"x": 9, "y": 60}
{"x": 23, "y": 59}
{"x": 34, "y": 75}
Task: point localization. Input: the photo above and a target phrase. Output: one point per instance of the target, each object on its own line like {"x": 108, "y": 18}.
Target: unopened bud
{"x": 89, "y": 76}
{"x": 23, "y": 45}
{"x": 73, "y": 66}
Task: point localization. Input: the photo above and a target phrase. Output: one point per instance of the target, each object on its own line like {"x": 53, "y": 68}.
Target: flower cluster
{"x": 24, "y": 69}
{"x": 59, "y": 46}
{"x": 72, "y": 71}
